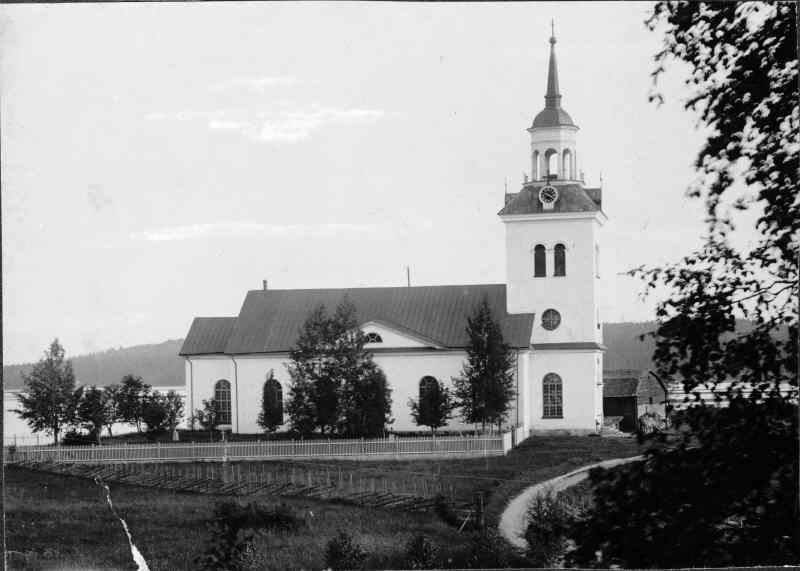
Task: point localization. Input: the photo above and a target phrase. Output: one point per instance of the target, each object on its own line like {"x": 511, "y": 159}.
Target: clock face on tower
{"x": 548, "y": 196}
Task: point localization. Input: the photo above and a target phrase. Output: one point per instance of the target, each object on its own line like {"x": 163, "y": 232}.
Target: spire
{"x": 552, "y": 98}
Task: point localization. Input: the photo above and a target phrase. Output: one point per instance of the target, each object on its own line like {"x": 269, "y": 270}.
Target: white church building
{"x": 548, "y": 309}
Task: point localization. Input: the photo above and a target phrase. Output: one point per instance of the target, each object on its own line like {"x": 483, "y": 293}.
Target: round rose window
{"x": 551, "y": 319}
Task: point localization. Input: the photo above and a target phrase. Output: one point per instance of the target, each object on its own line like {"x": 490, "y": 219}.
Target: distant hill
{"x": 625, "y": 350}
{"x": 160, "y": 365}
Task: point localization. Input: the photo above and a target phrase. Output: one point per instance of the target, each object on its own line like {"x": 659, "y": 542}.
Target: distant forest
{"x": 160, "y": 365}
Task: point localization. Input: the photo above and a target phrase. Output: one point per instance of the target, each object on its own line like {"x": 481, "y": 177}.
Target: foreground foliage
{"x": 719, "y": 490}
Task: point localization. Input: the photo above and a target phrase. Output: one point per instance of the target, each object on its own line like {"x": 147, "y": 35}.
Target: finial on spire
{"x": 552, "y": 97}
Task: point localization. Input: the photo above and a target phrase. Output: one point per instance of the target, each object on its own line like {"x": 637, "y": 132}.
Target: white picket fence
{"x": 388, "y": 448}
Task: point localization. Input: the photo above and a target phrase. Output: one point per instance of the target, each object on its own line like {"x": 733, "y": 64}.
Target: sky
{"x": 159, "y": 160}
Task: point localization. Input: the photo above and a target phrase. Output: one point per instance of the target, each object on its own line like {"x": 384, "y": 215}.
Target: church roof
{"x": 270, "y": 320}
{"x": 571, "y": 198}
{"x": 208, "y": 335}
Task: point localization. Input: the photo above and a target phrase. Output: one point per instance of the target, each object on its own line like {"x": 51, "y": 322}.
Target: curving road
{"x": 512, "y": 522}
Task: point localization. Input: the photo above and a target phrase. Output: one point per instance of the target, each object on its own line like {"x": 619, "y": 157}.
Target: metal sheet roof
{"x": 270, "y": 320}
{"x": 571, "y": 198}
{"x": 208, "y": 335}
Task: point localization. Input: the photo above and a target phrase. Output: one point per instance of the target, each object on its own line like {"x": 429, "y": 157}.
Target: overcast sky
{"x": 159, "y": 160}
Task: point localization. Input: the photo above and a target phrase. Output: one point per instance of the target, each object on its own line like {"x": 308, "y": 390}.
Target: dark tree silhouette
{"x": 486, "y": 385}
{"x": 721, "y": 487}
{"x": 335, "y": 383}
{"x": 434, "y": 406}
{"x": 49, "y": 399}
{"x": 744, "y": 78}
{"x": 271, "y": 415}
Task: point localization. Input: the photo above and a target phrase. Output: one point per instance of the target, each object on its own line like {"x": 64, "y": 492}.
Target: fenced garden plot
{"x": 452, "y": 446}
{"x": 265, "y": 480}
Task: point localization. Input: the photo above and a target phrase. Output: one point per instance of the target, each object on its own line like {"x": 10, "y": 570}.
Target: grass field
{"x": 61, "y": 522}
{"x": 499, "y": 478}
{"x": 58, "y": 519}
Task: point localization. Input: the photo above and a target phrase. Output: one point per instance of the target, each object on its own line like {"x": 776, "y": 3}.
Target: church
{"x": 548, "y": 310}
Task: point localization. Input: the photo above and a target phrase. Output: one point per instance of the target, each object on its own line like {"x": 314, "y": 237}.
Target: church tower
{"x": 552, "y": 270}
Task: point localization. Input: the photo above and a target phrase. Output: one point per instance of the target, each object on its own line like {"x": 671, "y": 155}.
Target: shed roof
{"x": 270, "y": 320}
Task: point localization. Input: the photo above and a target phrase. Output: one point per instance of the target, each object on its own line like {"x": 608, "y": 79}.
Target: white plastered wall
{"x": 574, "y": 296}
{"x": 581, "y": 396}
{"x": 403, "y": 370}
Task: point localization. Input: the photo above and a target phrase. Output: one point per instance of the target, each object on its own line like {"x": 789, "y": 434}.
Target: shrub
{"x": 550, "y": 518}
{"x": 342, "y": 552}
{"x": 421, "y": 553}
{"x": 230, "y": 547}
{"x": 487, "y": 550}
{"x": 75, "y": 438}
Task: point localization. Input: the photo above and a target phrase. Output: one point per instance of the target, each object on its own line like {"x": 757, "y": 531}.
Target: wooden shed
{"x": 630, "y": 393}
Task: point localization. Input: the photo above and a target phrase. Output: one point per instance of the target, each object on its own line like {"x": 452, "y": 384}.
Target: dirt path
{"x": 512, "y": 521}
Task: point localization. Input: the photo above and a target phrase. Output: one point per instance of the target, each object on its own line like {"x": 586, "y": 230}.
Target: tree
{"x": 208, "y": 416}
{"x": 435, "y": 405}
{"x": 365, "y": 396}
{"x": 719, "y": 491}
{"x": 50, "y": 399}
{"x": 132, "y": 397}
{"x": 271, "y": 415}
{"x": 335, "y": 384}
{"x": 744, "y": 77}
{"x": 486, "y": 385}
{"x": 95, "y": 411}
{"x": 162, "y": 412}
{"x": 366, "y": 403}
{"x": 111, "y": 394}
{"x": 305, "y": 368}
{"x": 721, "y": 487}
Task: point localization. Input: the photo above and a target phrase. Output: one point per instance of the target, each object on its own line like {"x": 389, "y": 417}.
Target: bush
{"x": 75, "y": 438}
{"x": 550, "y": 518}
{"x": 342, "y": 552}
{"x": 421, "y": 553}
{"x": 487, "y": 550}
{"x": 230, "y": 547}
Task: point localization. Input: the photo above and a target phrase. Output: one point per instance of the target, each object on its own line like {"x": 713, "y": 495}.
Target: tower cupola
{"x": 553, "y": 133}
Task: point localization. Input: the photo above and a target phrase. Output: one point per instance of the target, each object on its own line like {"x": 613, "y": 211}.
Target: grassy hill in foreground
{"x": 160, "y": 365}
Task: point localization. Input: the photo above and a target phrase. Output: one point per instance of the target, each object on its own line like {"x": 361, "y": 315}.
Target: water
{"x": 16, "y": 430}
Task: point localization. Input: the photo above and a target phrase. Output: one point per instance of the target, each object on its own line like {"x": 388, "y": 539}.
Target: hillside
{"x": 160, "y": 365}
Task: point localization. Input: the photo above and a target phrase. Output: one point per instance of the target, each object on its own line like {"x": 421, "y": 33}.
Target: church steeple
{"x": 552, "y": 98}
{"x": 553, "y": 133}
{"x": 553, "y": 115}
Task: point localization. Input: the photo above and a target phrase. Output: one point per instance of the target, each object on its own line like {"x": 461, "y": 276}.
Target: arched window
{"x": 272, "y": 413}
{"x": 567, "y": 165}
{"x": 373, "y": 337}
{"x": 426, "y": 384}
{"x": 539, "y": 263}
{"x": 535, "y": 165}
{"x": 560, "y": 261}
{"x": 552, "y": 396}
{"x": 222, "y": 394}
{"x": 551, "y": 163}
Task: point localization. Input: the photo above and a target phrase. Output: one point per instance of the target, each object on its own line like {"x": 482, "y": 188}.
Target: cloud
{"x": 248, "y": 229}
{"x": 282, "y": 125}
